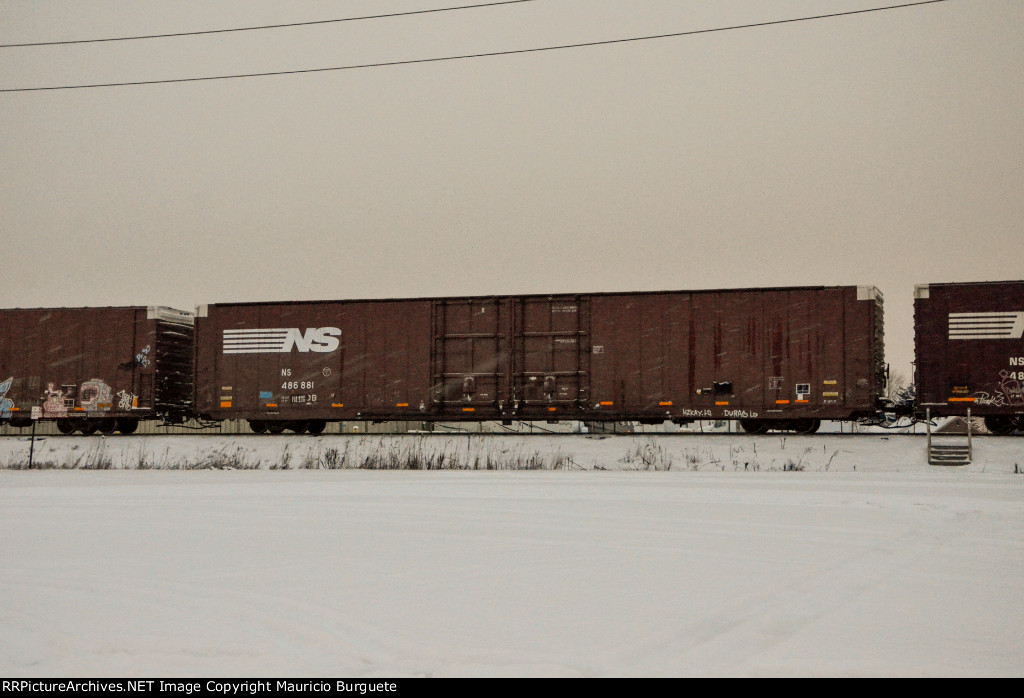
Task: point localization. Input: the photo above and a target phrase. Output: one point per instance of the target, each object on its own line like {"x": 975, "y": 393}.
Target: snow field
{"x": 866, "y": 562}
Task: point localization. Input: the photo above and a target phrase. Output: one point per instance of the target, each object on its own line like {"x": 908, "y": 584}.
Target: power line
{"x": 475, "y": 55}
{"x": 265, "y": 26}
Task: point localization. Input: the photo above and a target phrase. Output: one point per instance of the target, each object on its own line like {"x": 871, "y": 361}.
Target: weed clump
{"x": 649, "y": 455}
{"x": 226, "y": 458}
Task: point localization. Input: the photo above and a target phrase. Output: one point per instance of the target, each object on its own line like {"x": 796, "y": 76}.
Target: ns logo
{"x": 281, "y": 340}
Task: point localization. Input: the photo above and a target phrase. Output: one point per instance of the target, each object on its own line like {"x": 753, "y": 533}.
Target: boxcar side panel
{"x": 615, "y": 354}
{"x": 638, "y": 354}
{"x": 863, "y": 350}
{"x": 663, "y": 337}
{"x": 969, "y": 347}
{"x": 779, "y": 354}
{"x": 261, "y": 362}
{"x": 393, "y": 352}
{"x": 95, "y": 363}
{"x": 770, "y": 354}
{"x": 314, "y": 361}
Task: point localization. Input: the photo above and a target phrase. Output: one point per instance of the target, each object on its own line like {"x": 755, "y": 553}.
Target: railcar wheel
{"x": 298, "y": 427}
{"x": 127, "y": 426}
{"x": 754, "y": 426}
{"x": 106, "y": 426}
{"x": 275, "y": 427}
{"x": 806, "y": 426}
{"x": 66, "y": 426}
{"x": 257, "y": 426}
{"x": 87, "y": 427}
{"x": 316, "y": 426}
{"x": 1000, "y": 426}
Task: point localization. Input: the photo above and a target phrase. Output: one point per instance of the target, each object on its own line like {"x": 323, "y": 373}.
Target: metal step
{"x": 949, "y": 454}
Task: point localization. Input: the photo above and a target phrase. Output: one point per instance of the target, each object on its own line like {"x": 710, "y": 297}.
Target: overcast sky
{"x": 878, "y": 149}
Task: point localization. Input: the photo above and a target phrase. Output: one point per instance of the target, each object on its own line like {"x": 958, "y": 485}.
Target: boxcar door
{"x": 470, "y": 355}
{"x": 552, "y": 355}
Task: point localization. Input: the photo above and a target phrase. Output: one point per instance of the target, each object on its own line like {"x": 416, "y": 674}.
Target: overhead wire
{"x": 488, "y": 54}
{"x": 264, "y": 26}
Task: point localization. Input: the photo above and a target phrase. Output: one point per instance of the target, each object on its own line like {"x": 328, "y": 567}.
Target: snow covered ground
{"x": 824, "y": 555}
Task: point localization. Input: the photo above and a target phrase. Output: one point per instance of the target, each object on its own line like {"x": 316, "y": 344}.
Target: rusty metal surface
{"x": 969, "y": 348}
{"x": 763, "y": 353}
{"x": 96, "y": 363}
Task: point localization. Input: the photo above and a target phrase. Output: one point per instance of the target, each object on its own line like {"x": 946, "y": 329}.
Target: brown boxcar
{"x": 772, "y": 358}
{"x": 95, "y": 368}
{"x": 970, "y": 352}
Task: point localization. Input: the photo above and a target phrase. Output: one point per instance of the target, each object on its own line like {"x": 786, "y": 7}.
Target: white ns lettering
{"x": 319, "y": 339}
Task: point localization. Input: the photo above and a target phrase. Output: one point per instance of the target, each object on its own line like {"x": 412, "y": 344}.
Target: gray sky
{"x": 878, "y": 149}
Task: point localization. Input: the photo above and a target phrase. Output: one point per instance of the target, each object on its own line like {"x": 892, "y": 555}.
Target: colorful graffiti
{"x": 142, "y": 358}
{"x": 95, "y": 396}
{"x": 55, "y": 404}
{"x": 125, "y": 400}
{"x": 5, "y": 403}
